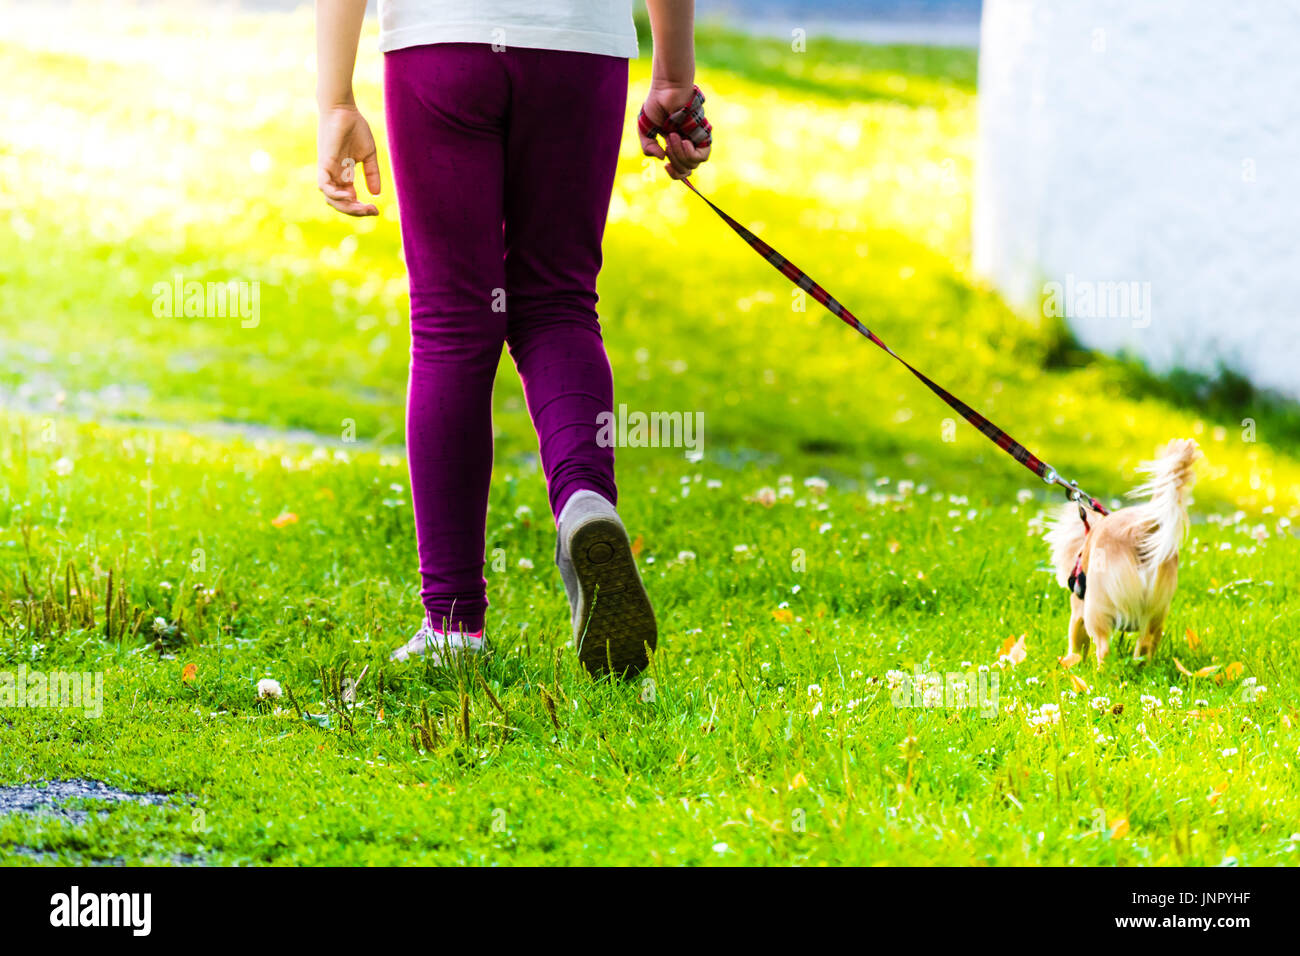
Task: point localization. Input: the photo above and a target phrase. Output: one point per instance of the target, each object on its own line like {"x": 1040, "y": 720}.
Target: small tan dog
{"x": 1123, "y": 570}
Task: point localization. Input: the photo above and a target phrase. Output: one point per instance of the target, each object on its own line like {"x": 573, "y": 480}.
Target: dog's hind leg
{"x": 1099, "y": 626}
{"x": 1144, "y": 648}
{"x": 1078, "y": 633}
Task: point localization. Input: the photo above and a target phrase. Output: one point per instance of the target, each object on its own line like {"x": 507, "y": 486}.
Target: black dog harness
{"x": 1078, "y": 581}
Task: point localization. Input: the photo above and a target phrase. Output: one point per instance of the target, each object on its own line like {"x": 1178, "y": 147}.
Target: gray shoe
{"x": 613, "y": 622}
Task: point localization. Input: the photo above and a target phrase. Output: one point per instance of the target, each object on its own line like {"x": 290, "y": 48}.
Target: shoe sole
{"x": 615, "y": 622}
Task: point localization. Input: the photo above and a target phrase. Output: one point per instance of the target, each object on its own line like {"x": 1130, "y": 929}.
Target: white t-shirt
{"x": 580, "y": 26}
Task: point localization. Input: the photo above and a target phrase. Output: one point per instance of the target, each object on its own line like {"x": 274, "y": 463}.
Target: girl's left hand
{"x": 344, "y": 142}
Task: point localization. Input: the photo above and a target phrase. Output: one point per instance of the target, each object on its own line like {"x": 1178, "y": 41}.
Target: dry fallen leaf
{"x": 1069, "y": 660}
{"x": 1234, "y": 670}
{"x": 638, "y": 546}
{"x": 1013, "y": 649}
{"x": 285, "y": 518}
{"x": 1201, "y": 672}
{"x": 797, "y": 781}
{"x": 1219, "y": 791}
{"x": 1192, "y": 640}
{"x": 1078, "y": 683}
{"x": 189, "y": 673}
{"x": 783, "y": 615}
{"x": 1120, "y": 829}
{"x": 893, "y": 547}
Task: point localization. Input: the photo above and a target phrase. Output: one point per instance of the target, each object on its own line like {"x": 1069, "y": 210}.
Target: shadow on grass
{"x": 1225, "y": 397}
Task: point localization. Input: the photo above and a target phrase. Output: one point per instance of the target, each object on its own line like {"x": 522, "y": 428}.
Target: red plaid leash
{"x": 691, "y": 123}
{"x": 991, "y": 431}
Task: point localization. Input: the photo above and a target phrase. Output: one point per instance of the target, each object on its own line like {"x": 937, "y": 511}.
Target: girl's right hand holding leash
{"x": 687, "y": 134}
{"x": 674, "y": 107}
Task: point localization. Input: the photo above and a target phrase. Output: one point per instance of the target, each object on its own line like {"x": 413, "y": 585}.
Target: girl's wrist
{"x": 673, "y": 83}
{"x": 343, "y": 101}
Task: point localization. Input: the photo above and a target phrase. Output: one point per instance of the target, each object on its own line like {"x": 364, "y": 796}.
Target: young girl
{"x": 504, "y": 119}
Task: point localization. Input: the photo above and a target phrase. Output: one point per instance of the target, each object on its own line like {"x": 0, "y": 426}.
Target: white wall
{"x": 1148, "y": 142}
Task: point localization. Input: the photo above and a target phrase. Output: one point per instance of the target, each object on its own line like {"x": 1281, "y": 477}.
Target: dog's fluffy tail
{"x": 1170, "y": 478}
{"x": 1065, "y": 537}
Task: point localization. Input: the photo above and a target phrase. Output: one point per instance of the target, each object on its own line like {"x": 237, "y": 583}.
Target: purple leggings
{"x": 504, "y": 162}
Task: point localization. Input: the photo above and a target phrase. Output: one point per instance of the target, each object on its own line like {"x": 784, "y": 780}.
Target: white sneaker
{"x": 442, "y": 647}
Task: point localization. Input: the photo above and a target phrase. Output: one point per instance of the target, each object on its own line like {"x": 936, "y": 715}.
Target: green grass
{"x": 765, "y": 731}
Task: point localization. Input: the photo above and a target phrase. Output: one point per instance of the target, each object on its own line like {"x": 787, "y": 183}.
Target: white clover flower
{"x": 63, "y": 466}
{"x": 685, "y": 556}
{"x": 1101, "y": 703}
{"x": 1047, "y": 715}
{"x": 267, "y": 687}
{"x": 814, "y": 690}
{"x": 896, "y": 679}
{"x": 1229, "y": 751}
{"x": 525, "y": 564}
{"x": 1024, "y": 496}
{"x": 816, "y": 484}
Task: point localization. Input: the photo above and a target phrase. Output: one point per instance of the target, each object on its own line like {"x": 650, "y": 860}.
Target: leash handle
{"x": 990, "y": 431}
{"x": 689, "y": 122}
